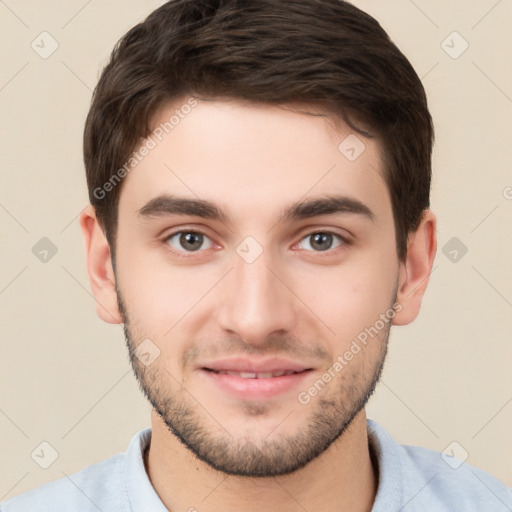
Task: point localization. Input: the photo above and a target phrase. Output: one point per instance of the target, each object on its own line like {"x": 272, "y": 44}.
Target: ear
{"x": 415, "y": 271}
{"x": 99, "y": 267}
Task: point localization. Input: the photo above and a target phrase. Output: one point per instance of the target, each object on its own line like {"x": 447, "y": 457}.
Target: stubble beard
{"x": 331, "y": 413}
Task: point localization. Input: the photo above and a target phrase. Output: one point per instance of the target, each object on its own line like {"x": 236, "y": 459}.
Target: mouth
{"x": 251, "y": 379}
{"x": 253, "y": 375}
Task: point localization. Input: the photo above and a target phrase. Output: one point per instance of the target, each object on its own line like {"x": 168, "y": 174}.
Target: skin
{"x": 293, "y": 301}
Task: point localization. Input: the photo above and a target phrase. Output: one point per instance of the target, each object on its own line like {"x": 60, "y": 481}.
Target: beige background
{"x": 65, "y": 375}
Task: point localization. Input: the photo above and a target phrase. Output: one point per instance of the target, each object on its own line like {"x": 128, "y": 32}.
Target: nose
{"x": 256, "y": 301}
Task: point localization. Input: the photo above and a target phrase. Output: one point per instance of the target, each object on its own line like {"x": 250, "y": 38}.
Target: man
{"x": 259, "y": 177}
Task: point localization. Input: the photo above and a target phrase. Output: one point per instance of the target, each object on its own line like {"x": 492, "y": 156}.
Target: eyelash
{"x": 344, "y": 241}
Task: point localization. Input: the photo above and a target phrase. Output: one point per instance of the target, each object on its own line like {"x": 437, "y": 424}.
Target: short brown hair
{"x": 323, "y": 52}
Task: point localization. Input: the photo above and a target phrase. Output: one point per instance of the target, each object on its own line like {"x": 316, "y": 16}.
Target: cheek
{"x": 157, "y": 293}
{"x": 352, "y": 296}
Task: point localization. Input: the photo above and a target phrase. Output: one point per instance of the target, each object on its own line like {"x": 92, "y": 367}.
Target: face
{"x": 256, "y": 267}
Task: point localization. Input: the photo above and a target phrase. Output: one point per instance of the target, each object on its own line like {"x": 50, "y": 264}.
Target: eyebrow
{"x": 168, "y": 205}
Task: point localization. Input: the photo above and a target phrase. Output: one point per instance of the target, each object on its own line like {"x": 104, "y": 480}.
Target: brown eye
{"x": 188, "y": 241}
{"x": 321, "y": 241}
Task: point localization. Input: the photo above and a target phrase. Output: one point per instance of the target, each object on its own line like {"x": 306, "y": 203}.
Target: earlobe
{"x": 99, "y": 267}
{"x": 415, "y": 270}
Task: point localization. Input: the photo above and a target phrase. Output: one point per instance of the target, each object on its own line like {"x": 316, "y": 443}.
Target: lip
{"x": 254, "y": 388}
{"x": 240, "y": 364}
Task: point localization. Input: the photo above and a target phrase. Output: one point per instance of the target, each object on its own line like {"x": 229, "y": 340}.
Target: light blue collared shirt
{"x": 411, "y": 479}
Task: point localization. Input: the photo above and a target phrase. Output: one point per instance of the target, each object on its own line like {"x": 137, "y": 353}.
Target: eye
{"x": 321, "y": 241}
{"x": 188, "y": 241}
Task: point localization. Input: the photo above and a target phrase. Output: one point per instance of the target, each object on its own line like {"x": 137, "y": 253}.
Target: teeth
{"x": 244, "y": 375}
{"x": 253, "y": 375}
{"x": 267, "y": 375}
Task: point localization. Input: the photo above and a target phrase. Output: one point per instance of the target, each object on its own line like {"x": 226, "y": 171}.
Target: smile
{"x": 253, "y": 375}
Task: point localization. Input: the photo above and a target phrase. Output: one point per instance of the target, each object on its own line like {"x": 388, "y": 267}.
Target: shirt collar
{"x": 390, "y": 478}
{"x": 141, "y": 493}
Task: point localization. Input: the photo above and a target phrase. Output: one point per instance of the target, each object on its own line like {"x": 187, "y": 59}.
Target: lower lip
{"x": 256, "y": 388}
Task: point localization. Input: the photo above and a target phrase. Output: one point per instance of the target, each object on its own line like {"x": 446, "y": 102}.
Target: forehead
{"x": 252, "y": 159}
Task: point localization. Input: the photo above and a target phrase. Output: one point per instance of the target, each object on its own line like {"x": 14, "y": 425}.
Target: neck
{"x": 341, "y": 479}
